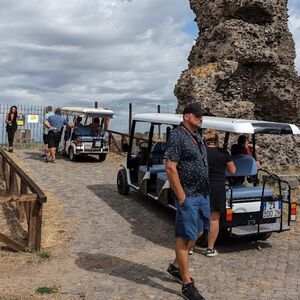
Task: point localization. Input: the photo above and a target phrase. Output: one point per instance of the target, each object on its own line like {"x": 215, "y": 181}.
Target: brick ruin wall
{"x": 242, "y": 66}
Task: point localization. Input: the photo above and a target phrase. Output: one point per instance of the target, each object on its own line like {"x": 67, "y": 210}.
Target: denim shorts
{"x": 192, "y": 217}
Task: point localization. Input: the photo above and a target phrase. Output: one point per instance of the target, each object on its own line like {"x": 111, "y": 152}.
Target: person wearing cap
{"x": 187, "y": 170}
{"x": 55, "y": 124}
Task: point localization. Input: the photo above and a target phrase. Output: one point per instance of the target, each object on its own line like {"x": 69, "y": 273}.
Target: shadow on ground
{"x": 36, "y": 155}
{"x": 155, "y": 223}
{"x": 148, "y": 218}
{"x": 118, "y": 267}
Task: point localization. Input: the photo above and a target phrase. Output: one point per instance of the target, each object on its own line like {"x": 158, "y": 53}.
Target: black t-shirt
{"x": 217, "y": 161}
{"x": 191, "y": 159}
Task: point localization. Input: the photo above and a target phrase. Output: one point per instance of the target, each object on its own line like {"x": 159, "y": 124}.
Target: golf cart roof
{"x": 87, "y": 111}
{"x": 223, "y": 124}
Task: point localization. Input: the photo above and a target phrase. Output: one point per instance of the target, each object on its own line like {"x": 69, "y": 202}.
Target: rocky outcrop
{"x": 242, "y": 64}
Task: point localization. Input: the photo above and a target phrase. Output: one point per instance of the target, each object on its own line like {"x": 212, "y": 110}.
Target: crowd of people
{"x": 53, "y": 123}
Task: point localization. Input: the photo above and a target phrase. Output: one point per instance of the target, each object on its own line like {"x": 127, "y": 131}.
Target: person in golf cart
{"x": 244, "y": 146}
{"x": 78, "y": 121}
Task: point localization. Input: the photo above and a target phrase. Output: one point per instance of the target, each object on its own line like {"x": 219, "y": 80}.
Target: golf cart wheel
{"x": 122, "y": 184}
{"x": 72, "y": 155}
{"x": 202, "y": 241}
{"x": 102, "y": 156}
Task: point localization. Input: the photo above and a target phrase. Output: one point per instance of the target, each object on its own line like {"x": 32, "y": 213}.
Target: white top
{"x": 223, "y": 124}
{"x": 87, "y": 111}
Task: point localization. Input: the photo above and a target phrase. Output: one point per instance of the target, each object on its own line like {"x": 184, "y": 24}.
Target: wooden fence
{"x": 28, "y": 198}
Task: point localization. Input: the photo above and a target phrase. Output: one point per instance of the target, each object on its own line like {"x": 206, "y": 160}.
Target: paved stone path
{"x": 123, "y": 244}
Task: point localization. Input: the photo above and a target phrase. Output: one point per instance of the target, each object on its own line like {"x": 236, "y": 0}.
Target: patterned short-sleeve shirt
{"x": 191, "y": 159}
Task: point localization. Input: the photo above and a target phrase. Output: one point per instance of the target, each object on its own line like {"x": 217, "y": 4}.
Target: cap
{"x": 193, "y": 108}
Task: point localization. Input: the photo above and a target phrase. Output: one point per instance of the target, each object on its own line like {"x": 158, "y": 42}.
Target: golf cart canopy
{"x": 87, "y": 111}
{"x": 223, "y": 124}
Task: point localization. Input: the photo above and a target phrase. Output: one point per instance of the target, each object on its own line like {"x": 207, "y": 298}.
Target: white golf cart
{"x": 85, "y": 138}
{"x": 257, "y": 209}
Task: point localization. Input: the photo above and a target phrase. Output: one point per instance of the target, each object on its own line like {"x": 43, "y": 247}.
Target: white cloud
{"x": 74, "y": 50}
{"x": 78, "y": 51}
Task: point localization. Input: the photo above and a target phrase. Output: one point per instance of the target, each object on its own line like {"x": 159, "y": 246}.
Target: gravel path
{"x": 121, "y": 246}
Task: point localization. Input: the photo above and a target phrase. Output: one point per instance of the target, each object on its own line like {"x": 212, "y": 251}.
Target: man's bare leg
{"x": 182, "y": 258}
{"x": 46, "y": 149}
{"x": 53, "y": 152}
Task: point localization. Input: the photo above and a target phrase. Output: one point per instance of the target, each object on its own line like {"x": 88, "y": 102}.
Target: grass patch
{"x": 44, "y": 255}
{"x": 46, "y": 290}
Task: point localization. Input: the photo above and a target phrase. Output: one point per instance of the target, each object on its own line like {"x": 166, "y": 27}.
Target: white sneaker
{"x": 211, "y": 252}
{"x": 191, "y": 252}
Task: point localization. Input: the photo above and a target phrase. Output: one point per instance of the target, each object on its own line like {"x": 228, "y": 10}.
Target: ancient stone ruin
{"x": 242, "y": 65}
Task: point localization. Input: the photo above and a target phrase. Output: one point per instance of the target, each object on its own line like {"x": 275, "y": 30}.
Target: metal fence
{"x": 28, "y": 135}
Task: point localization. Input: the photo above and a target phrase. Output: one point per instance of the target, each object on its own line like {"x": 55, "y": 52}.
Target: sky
{"x": 75, "y": 52}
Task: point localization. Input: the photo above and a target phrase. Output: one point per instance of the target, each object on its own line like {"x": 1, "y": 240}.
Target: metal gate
{"x": 30, "y": 134}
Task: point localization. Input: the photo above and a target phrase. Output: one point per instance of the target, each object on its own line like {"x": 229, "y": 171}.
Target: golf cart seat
{"x": 243, "y": 192}
{"x": 83, "y": 131}
{"x": 157, "y": 153}
{"x": 153, "y": 170}
{"x": 162, "y": 176}
{"x": 245, "y": 166}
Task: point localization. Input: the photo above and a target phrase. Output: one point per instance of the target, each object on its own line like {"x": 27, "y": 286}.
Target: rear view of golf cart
{"x": 255, "y": 209}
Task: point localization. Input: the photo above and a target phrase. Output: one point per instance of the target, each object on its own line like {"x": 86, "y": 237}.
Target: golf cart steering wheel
{"x": 143, "y": 146}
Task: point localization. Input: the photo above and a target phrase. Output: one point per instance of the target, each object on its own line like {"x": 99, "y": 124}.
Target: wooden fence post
{"x": 35, "y": 226}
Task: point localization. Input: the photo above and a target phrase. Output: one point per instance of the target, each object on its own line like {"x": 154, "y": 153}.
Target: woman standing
{"x": 11, "y": 126}
{"x": 218, "y": 161}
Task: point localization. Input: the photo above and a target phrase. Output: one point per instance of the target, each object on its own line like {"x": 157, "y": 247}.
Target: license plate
{"x": 97, "y": 144}
{"x": 272, "y": 209}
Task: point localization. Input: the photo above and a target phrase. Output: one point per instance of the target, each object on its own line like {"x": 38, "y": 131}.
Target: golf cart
{"x": 86, "y": 137}
{"x": 251, "y": 210}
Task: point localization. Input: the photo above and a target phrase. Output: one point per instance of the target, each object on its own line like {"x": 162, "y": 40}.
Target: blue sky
{"x": 75, "y": 52}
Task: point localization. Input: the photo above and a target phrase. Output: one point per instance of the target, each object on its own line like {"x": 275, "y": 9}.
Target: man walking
{"x": 187, "y": 169}
{"x": 48, "y": 113}
{"x": 55, "y": 124}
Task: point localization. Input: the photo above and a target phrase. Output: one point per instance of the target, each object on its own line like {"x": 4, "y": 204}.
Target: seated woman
{"x": 244, "y": 146}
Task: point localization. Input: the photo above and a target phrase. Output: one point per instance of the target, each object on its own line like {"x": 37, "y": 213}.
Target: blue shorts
{"x": 192, "y": 217}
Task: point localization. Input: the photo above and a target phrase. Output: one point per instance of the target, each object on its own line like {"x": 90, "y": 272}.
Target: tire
{"x": 122, "y": 184}
{"x": 72, "y": 155}
{"x": 202, "y": 241}
{"x": 102, "y": 157}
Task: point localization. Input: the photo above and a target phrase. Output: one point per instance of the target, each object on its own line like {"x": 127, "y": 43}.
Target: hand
{"x": 181, "y": 199}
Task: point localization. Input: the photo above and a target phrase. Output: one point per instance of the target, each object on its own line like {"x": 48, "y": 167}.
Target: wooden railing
{"x": 117, "y": 144}
{"x": 28, "y": 198}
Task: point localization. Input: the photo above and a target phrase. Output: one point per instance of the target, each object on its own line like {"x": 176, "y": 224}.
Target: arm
{"x": 6, "y": 119}
{"x": 47, "y": 124}
{"x": 231, "y": 167}
{"x": 175, "y": 181}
